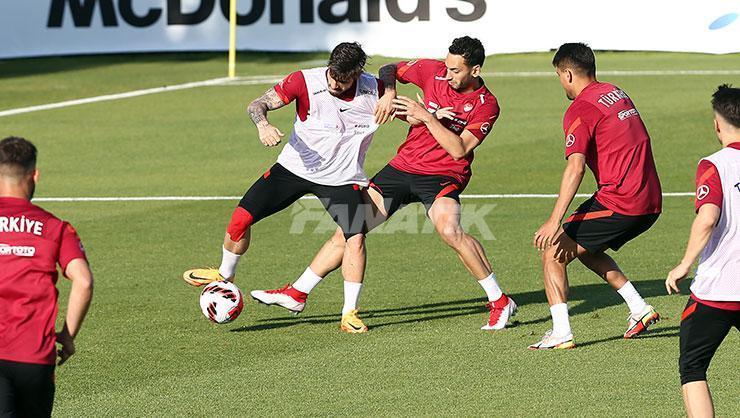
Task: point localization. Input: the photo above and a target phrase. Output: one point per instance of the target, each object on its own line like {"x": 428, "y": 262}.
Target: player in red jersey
{"x": 603, "y": 131}
{"x": 432, "y": 166}
{"x": 32, "y": 243}
{"x": 714, "y": 305}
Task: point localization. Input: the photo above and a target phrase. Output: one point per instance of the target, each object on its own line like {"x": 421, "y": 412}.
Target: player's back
{"x": 30, "y": 242}
{"x": 620, "y": 153}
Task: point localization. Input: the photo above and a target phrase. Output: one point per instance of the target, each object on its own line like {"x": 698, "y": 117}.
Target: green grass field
{"x": 146, "y": 350}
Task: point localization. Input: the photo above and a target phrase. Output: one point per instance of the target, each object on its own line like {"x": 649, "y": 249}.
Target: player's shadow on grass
{"x": 592, "y": 297}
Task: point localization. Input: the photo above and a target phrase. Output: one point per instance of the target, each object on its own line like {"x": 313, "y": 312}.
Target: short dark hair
{"x": 577, "y": 56}
{"x": 17, "y": 156}
{"x": 347, "y": 61}
{"x": 471, "y": 49}
{"x": 726, "y": 102}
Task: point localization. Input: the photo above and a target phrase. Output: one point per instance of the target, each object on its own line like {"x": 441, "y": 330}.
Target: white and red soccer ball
{"x": 221, "y": 302}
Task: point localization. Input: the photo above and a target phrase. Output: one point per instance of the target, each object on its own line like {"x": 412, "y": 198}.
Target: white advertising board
{"x": 389, "y": 27}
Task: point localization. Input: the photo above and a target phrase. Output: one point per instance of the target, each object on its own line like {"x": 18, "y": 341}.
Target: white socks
{"x": 351, "y": 296}
{"x": 634, "y": 301}
{"x": 307, "y": 281}
{"x": 560, "y": 320}
{"x": 229, "y": 261}
{"x": 490, "y": 285}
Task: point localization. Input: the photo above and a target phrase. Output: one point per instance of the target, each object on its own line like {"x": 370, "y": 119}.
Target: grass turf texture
{"x": 145, "y": 349}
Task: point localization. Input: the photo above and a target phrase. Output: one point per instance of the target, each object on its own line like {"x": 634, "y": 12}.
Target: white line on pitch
{"x": 212, "y": 198}
{"x": 271, "y": 79}
{"x": 109, "y": 97}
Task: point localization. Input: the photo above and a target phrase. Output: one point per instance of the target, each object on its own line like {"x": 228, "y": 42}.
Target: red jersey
{"x": 475, "y": 112}
{"x": 708, "y": 183}
{"x": 603, "y": 124}
{"x": 293, "y": 87}
{"x": 32, "y": 243}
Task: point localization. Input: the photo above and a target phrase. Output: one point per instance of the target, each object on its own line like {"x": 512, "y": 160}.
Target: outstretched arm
{"x": 572, "y": 178}
{"x": 258, "y": 108}
{"x": 701, "y": 231}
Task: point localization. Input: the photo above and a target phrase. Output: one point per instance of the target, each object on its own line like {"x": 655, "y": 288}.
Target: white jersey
{"x": 718, "y": 275}
{"x": 329, "y": 147}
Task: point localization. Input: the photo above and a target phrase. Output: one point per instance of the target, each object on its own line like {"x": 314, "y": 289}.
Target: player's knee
{"x": 549, "y": 256}
{"x": 355, "y": 242}
{"x": 338, "y": 239}
{"x": 240, "y": 222}
{"x": 452, "y": 235}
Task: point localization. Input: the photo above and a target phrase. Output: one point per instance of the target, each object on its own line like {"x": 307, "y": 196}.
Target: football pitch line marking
{"x": 221, "y": 198}
{"x": 272, "y": 79}
{"x": 109, "y": 97}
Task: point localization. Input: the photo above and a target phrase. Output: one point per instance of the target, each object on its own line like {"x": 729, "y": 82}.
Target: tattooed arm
{"x": 384, "y": 108}
{"x": 268, "y": 134}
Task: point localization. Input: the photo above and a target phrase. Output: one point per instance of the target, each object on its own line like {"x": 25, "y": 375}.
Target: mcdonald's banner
{"x": 402, "y": 28}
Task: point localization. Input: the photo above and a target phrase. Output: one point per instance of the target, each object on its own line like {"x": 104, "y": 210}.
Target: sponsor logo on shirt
{"x": 318, "y": 92}
{"x": 627, "y": 113}
{"x": 468, "y": 107}
{"x": 368, "y": 92}
{"x": 485, "y": 128}
{"x": 17, "y": 250}
{"x": 570, "y": 140}
{"x": 702, "y": 192}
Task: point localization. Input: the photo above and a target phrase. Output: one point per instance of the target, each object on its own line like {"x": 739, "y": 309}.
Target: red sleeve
{"x": 579, "y": 126}
{"x": 293, "y": 87}
{"x": 70, "y": 246}
{"x": 481, "y": 121}
{"x": 417, "y": 72}
{"x": 708, "y": 185}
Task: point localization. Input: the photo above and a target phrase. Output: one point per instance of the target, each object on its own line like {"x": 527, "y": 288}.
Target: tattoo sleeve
{"x": 260, "y": 106}
{"x": 387, "y": 74}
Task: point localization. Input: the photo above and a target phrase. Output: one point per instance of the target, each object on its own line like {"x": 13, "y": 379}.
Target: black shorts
{"x": 703, "y": 328}
{"x": 26, "y": 390}
{"x": 278, "y": 188}
{"x": 596, "y": 228}
{"x": 400, "y": 188}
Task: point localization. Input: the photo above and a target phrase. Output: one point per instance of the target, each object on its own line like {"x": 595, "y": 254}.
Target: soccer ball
{"x": 221, "y": 302}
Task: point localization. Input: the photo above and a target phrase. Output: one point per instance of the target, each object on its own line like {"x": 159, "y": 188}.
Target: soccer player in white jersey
{"x": 333, "y": 128}
{"x": 433, "y": 166}
{"x": 714, "y": 305}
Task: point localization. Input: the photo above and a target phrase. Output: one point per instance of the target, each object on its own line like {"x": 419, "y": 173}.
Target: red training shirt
{"x": 603, "y": 124}
{"x": 475, "y": 112}
{"x": 293, "y": 87}
{"x": 708, "y": 183}
{"x": 32, "y": 243}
